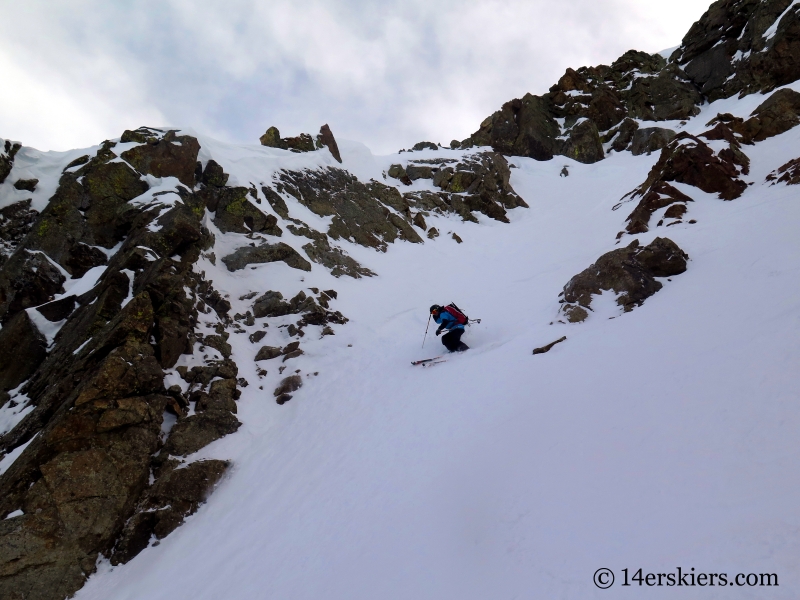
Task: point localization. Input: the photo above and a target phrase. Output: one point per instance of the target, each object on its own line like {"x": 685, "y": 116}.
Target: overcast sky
{"x": 388, "y": 73}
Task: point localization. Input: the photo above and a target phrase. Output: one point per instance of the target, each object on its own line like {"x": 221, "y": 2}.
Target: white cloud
{"x": 389, "y": 73}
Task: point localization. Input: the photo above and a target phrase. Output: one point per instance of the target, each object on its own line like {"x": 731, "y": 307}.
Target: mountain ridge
{"x": 147, "y": 284}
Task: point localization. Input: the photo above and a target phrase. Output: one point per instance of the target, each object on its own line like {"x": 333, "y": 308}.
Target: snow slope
{"x": 664, "y": 438}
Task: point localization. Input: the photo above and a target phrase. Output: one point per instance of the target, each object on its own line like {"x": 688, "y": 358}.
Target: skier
{"x": 455, "y": 329}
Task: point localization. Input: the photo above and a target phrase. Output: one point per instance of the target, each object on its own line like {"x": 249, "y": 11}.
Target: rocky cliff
{"x": 133, "y": 281}
{"x": 118, "y": 350}
{"x": 737, "y": 47}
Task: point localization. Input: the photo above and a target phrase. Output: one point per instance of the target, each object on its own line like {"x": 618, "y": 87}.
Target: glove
{"x": 438, "y": 331}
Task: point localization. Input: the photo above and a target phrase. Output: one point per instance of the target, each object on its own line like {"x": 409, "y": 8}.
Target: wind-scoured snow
{"x": 656, "y": 439}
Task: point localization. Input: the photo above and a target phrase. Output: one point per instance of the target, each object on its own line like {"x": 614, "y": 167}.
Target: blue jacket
{"x": 447, "y": 321}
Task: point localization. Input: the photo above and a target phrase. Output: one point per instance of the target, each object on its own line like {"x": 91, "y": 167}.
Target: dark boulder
{"x": 583, "y": 143}
{"x": 22, "y": 349}
{"x": 83, "y": 257}
{"x": 28, "y": 279}
{"x": 266, "y": 253}
{"x": 301, "y": 143}
{"x": 28, "y": 185}
{"x": 629, "y": 272}
{"x": 197, "y": 431}
{"x": 271, "y": 304}
{"x": 213, "y": 174}
{"x": 424, "y": 146}
{"x": 398, "y": 172}
{"x": 415, "y": 172}
{"x": 234, "y": 212}
{"x": 58, "y": 310}
{"x": 326, "y": 139}
{"x": 650, "y": 139}
{"x": 268, "y": 353}
{"x": 288, "y": 385}
{"x": 776, "y": 115}
{"x": 278, "y": 204}
{"x": 171, "y": 156}
{"x": 623, "y": 136}
{"x": 272, "y": 138}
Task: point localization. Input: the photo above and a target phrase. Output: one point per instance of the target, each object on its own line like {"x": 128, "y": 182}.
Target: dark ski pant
{"x": 452, "y": 341}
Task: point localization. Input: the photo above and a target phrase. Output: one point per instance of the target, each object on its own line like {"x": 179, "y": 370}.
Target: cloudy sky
{"x": 388, "y": 73}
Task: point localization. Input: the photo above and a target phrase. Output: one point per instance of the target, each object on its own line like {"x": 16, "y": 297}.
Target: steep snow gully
{"x": 664, "y": 438}
{"x": 205, "y": 379}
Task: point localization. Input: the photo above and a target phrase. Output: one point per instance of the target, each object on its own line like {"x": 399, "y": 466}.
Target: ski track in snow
{"x": 660, "y": 438}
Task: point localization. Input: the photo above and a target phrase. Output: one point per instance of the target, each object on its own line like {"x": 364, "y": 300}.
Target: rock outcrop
{"x": 477, "y": 183}
{"x": 96, "y": 393}
{"x": 16, "y": 221}
{"x": 7, "y": 155}
{"x": 742, "y": 47}
{"x": 688, "y": 160}
{"x": 303, "y": 142}
{"x": 737, "y": 47}
{"x": 629, "y": 272}
{"x": 788, "y": 173}
{"x": 590, "y": 107}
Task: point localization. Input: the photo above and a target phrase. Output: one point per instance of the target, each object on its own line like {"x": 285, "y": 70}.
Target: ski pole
{"x": 426, "y": 331}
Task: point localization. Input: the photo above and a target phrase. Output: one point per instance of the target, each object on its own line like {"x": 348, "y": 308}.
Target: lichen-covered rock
{"x": 479, "y": 182}
{"x": 268, "y": 353}
{"x": 272, "y": 138}
{"x": 361, "y": 212}
{"x": 213, "y": 175}
{"x": 234, "y": 212}
{"x": 266, "y": 253}
{"x": 288, "y": 385}
{"x": 98, "y": 396}
{"x": 583, "y": 143}
{"x": 629, "y": 272}
{"x": 649, "y": 139}
{"x": 591, "y": 102}
{"x": 175, "y": 495}
{"x": 271, "y": 304}
{"x": 28, "y": 185}
{"x": 399, "y": 173}
{"x": 197, "y": 431}
{"x": 335, "y": 259}
{"x": 170, "y": 156}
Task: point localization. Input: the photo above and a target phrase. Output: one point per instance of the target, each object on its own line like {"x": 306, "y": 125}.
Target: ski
{"x": 430, "y": 364}
{"x": 425, "y": 360}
